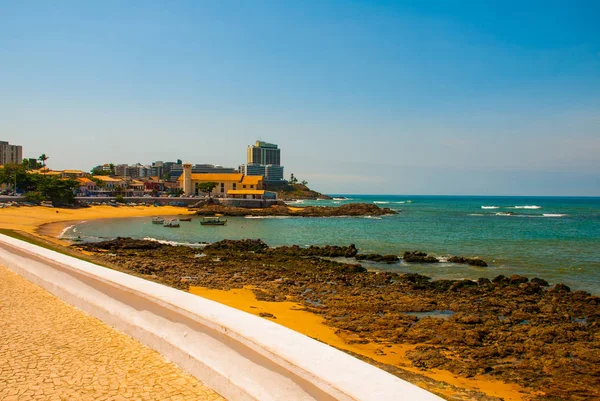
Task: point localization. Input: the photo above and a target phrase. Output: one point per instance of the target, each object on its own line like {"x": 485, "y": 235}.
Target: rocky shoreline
{"x": 510, "y": 328}
{"x": 348, "y": 210}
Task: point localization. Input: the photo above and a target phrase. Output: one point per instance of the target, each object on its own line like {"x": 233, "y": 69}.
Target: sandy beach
{"x": 49, "y": 223}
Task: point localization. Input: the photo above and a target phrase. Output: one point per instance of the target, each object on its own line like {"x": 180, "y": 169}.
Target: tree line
{"x": 38, "y": 187}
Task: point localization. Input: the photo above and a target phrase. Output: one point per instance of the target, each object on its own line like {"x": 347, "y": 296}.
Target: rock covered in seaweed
{"x": 467, "y": 261}
{"x": 418, "y": 257}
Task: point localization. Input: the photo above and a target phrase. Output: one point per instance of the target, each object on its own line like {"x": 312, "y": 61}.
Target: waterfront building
{"x": 273, "y": 172}
{"x": 177, "y": 170}
{"x": 189, "y": 182}
{"x": 253, "y": 169}
{"x": 72, "y": 174}
{"x": 264, "y": 159}
{"x": 110, "y": 184}
{"x": 134, "y": 188}
{"x": 86, "y": 186}
{"x": 10, "y": 153}
{"x": 264, "y": 153}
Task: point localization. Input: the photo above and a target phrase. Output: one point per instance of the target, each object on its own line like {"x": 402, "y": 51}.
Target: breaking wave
{"x": 553, "y": 215}
{"x": 528, "y": 207}
{"x": 63, "y": 232}
{"x": 381, "y": 202}
{"x": 490, "y": 207}
{"x": 175, "y": 243}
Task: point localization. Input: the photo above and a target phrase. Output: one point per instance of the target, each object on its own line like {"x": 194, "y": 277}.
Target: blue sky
{"x": 404, "y": 97}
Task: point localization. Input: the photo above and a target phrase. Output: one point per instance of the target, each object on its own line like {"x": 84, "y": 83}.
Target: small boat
{"x": 213, "y": 221}
{"x": 158, "y": 220}
{"x": 171, "y": 223}
{"x": 185, "y": 219}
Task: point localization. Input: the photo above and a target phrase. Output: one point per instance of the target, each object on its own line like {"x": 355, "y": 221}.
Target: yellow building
{"x": 225, "y": 182}
{"x": 73, "y": 174}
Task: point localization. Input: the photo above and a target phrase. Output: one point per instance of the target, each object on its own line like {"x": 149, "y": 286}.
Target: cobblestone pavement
{"x": 51, "y": 351}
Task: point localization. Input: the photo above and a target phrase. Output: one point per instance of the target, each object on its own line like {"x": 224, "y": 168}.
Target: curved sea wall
{"x": 241, "y": 356}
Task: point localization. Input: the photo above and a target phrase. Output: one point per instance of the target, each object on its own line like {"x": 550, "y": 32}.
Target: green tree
{"x": 43, "y": 159}
{"x": 112, "y": 169}
{"x": 207, "y": 187}
{"x": 293, "y": 180}
{"x": 34, "y": 197}
{"x": 304, "y": 182}
{"x": 99, "y": 171}
{"x": 59, "y": 191}
{"x": 16, "y": 176}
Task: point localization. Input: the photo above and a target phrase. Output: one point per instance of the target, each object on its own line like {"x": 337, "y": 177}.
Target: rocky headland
{"x": 515, "y": 329}
{"x": 348, "y": 210}
{"x": 289, "y": 191}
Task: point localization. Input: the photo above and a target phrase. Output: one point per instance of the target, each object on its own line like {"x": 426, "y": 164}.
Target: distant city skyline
{"x": 407, "y": 97}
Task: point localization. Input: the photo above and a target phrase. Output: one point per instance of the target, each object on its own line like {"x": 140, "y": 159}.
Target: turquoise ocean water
{"x": 555, "y": 238}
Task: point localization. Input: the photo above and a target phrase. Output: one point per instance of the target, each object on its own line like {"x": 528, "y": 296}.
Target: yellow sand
{"x": 289, "y": 314}
{"x": 31, "y": 219}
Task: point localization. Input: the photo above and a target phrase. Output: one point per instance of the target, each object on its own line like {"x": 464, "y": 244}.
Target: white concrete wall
{"x": 241, "y": 356}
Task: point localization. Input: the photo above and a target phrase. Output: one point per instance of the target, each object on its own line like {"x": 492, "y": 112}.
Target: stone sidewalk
{"x": 51, "y": 351}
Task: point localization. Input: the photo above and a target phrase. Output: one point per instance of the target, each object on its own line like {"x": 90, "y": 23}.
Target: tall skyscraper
{"x": 264, "y": 159}
{"x": 264, "y": 153}
{"x": 10, "y": 153}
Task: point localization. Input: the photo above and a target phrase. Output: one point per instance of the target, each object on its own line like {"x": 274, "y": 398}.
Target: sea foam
{"x": 528, "y": 207}
{"x": 175, "y": 243}
{"x": 63, "y": 232}
{"x": 490, "y": 207}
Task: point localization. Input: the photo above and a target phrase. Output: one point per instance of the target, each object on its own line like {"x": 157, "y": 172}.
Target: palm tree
{"x": 43, "y": 159}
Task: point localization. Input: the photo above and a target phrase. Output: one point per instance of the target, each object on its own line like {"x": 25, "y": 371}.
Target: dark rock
{"x": 121, "y": 243}
{"x": 540, "y": 281}
{"x": 267, "y": 314}
{"x": 516, "y": 279}
{"x": 418, "y": 257}
{"x": 467, "y": 261}
{"x": 415, "y": 278}
{"x": 462, "y": 284}
{"x": 244, "y": 245}
{"x": 317, "y": 251}
{"x": 375, "y": 257}
{"x": 560, "y": 288}
{"x": 500, "y": 279}
{"x": 482, "y": 281}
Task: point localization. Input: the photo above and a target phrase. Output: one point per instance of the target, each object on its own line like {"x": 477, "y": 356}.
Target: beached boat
{"x": 171, "y": 223}
{"x": 213, "y": 221}
{"x": 158, "y": 220}
{"x": 185, "y": 219}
